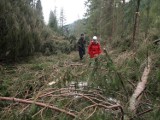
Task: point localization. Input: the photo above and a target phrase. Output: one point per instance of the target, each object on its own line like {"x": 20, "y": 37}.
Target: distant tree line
{"x": 56, "y": 24}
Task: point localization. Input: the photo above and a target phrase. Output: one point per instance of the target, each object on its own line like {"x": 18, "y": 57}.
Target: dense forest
{"x": 23, "y": 31}
{"x": 42, "y": 78}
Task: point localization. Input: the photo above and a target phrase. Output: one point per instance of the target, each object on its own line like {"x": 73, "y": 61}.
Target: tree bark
{"x": 136, "y": 20}
{"x": 147, "y": 21}
{"x": 124, "y": 1}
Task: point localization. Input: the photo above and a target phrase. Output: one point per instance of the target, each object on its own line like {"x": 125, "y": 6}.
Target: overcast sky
{"x": 73, "y": 9}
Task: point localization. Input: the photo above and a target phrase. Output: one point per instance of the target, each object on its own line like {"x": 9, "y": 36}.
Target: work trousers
{"x": 81, "y": 52}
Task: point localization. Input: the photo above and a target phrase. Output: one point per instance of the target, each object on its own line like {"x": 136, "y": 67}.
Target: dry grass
{"x": 121, "y": 59}
{"x": 32, "y": 81}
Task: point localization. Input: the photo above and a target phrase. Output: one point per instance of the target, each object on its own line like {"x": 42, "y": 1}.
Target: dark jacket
{"x": 81, "y": 42}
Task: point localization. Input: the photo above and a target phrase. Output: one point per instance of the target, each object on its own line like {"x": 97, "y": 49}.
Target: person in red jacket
{"x": 94, "y": 48}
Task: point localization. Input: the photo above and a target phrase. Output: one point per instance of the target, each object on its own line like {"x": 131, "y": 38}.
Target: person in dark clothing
{"x": 81, "y": 46}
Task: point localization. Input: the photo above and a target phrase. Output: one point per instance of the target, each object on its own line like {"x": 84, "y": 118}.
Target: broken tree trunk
{"x": 134, "y": 100}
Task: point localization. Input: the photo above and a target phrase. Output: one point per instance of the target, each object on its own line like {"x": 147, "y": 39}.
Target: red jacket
{"x": 93, "y": 49}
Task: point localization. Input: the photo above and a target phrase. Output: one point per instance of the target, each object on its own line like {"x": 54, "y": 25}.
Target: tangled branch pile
{"x": 74, "y": 103}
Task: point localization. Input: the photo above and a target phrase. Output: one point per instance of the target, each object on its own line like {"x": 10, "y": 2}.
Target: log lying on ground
{"x": 134, "y": 100}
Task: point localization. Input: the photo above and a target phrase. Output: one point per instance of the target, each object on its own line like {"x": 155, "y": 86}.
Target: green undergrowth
{"x": 115, "y": 73}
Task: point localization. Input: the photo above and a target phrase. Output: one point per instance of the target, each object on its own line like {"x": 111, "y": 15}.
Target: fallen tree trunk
{"x": 134, "y": 100}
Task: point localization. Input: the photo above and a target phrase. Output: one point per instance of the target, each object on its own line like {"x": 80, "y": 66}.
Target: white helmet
{"x": 94, "y": 37}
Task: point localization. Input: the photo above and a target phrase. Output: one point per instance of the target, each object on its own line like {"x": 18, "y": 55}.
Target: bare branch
{"x": 39, "y": 104}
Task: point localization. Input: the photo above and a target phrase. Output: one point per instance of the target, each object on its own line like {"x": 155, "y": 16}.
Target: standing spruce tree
{"x": 52, "y": 23}
{"x": 93, "y": 15}
{"x": 100, "y": 17}
{"x": 39, "y": 9}
{"x": 62, "y": 21}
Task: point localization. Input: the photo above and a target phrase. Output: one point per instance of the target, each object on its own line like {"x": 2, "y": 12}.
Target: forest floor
{"x": 45, "y": 79}
{"x": 26, "y": 78}
{"x": 29, "y": 78}
{"x": 40, "y": 69}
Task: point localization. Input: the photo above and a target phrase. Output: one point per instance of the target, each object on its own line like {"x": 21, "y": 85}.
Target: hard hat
{"x": 94, "y": 37}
